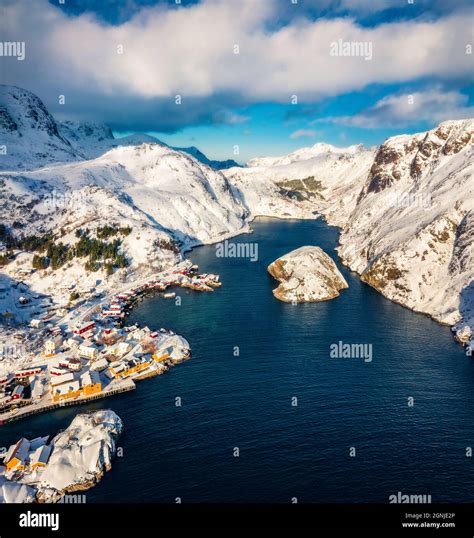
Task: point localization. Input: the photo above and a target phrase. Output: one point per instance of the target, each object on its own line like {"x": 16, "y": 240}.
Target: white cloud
{"x": 432, "y": 106}
{"x": 190, "y": 51}
{"x": 303, "y": 133}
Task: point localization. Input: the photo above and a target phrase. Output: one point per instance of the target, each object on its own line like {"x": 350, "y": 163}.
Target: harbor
{"x": 93, "y": 354}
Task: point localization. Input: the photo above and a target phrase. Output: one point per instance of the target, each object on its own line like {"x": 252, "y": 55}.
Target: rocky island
{"x": 75, "y": 460}
{"x": 306, "y": 274}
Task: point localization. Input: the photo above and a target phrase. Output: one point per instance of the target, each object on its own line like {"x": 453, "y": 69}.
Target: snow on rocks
{"x": 321, "y": 180}
{"x": 411, "y": 233}
{"x": 79, "y": 457}
{"x": 13, "y": 492}
{"x": 307, "y": 274}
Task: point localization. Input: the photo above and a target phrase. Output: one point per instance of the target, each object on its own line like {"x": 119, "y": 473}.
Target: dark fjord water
{"x": 245, "y": 401}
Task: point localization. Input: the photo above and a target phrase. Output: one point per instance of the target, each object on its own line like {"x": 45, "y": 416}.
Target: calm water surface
{"x": 246, "y": 401}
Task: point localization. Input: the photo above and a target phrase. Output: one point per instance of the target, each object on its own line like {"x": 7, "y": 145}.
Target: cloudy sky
{"x": 268, "y": 76}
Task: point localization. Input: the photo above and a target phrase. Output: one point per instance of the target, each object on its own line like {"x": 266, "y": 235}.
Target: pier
{"x": 127, "y": 386}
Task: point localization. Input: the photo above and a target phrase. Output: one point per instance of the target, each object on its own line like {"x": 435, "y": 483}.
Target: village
{"x": 91, "y": 353}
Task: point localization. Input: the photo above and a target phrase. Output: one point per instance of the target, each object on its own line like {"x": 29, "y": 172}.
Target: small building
{"x": 99, "y": 365}
{"x": 67, "y": 390}
{"x": 74, "y": 365}
{"x": 116, "y": 368}
{"x": 91, "y": 383}
{"x": 56, "y": 371}
{"x": 123, "y": 348}
{"x": 17, "y": 455}
{"x": 27, "y": 372}
{"x": 88, "y": 351}
{"x": 160, "y": 357}
{"x": 5, "y": 402}
{"x": 56, "y": 331}
{"x": 73, "y": 342}
{"x": 84, "y": 327}
{"x": 51, "y": 345}
{"x": 37, "y": 323}
{"x": 37, "y": 388}
{"x": 40, "y": 456}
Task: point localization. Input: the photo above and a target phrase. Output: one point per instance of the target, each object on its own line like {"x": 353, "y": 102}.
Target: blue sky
{"x": 413, "y": 69}
{"x": 271, "y": 127}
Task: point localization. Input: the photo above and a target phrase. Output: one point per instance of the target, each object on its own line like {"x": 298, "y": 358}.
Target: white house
{"x": 51, "y": 345}
{"x": 99, "y": 365}
{"x": 88, "y": 351}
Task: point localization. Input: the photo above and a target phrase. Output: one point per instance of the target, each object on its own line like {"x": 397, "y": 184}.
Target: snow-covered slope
{"x": 410, "y": 235}
{"x": 306, "y": 274}
{"x": 151, "y": 184}
{"x": 322, "y": 180}
{"x": 30, "y": 133}
{"x": 166, "y": 197}
{"x": 405, "y": 210}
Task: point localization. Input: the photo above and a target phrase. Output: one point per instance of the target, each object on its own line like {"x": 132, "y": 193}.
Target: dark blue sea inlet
{"x": 245, "y": 401}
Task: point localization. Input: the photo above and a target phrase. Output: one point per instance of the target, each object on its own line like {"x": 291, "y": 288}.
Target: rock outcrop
{"x": 307, "y": 274}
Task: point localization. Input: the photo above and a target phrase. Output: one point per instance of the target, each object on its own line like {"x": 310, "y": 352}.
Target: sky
{"x": 246, "y": 78}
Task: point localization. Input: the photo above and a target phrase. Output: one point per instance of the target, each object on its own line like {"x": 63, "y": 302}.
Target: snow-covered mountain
{"x": 93, "y": 140}
{"x": 405, "y": 210}
{"x": 410, "y": 235}
{"x": 29, "y": 133}
{"x": 167, "y": 198}
{"x": 303, "y": 154}
{"x": 33, "y": 138}
{"x": 319, "y": 180}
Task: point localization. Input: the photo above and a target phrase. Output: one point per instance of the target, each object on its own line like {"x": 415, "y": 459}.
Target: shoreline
{"x": 344, "y": 264}
{"x": 94, "y": 310}
{"x": 142, "y": 353}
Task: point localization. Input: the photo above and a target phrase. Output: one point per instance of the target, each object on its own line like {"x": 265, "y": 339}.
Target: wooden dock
{"x": 125, "y": 387}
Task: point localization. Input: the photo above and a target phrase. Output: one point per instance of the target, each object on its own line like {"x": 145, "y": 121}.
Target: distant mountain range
{"x": 37, "y": 139}
{"x": 405, "y": 208}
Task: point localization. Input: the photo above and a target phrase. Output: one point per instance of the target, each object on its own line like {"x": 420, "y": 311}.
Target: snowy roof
{"x": 69, "y": 386}
{"x": 90, "y": 378}
{"x": 41, "y": 454}
{"x": 62, "y": 379}
{"x": 18, "y": 450}
{"x": 38, "y": 441}
{"x": 101, "y": 363}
